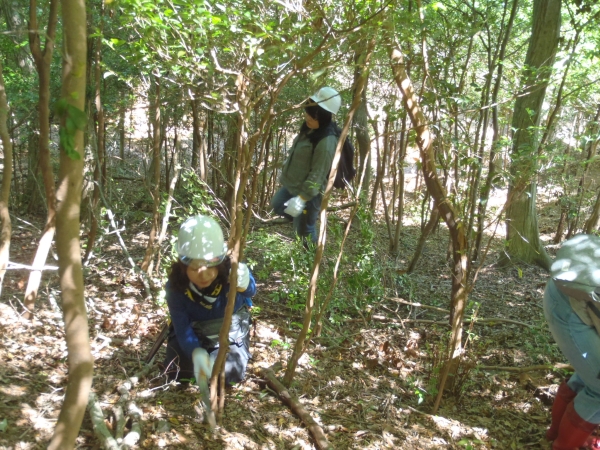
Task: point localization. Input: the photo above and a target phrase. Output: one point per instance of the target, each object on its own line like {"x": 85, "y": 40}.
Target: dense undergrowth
{"x": 369, "y": 378}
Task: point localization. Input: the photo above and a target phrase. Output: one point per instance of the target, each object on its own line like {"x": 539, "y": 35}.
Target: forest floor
{"x": 369, "y": 380}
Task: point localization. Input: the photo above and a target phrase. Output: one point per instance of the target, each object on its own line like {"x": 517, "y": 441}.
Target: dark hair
{"x": 180, "y": 281}
{"x": 319, "y": 114}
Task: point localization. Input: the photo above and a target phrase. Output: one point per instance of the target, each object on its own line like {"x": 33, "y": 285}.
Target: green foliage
{"x": 74, "y": 119}
{"x": 193, "y": 196}
{"x": 289, "y": 262}
{"x": 363, "y": 269}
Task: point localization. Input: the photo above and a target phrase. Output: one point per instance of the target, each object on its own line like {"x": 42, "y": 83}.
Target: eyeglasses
{"x": 198, "y": 263}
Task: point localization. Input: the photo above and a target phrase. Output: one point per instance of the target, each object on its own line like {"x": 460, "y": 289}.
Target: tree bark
{"x": 5, "y": 224}
{"x": 590, "y": 148}
{"x": 155, "y": 191}
{"x": 15, "y": 24}
{"x": 401, "y": 143}
{"x": 68, "y": 245}
{"x": 522, "y": 232}
{"x": 359, "y": 85}
{"x": 458, "y": 296}
{"x": 313, "y": 427}
{"x": 42, "y": 60}
{"x": 100, "y": 165}
{"x": 361, "y": 124}
{"x": 592, "y": 223}
{"x": 486, "y": 189}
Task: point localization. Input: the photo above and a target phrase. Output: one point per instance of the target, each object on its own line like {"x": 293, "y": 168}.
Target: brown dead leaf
{"x": 372, "y": 363}
{"x": 107, "y": 324}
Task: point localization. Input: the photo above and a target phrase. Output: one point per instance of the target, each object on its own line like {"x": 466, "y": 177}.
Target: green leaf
{"x": 79, "y": 117}
{"x": 70, "y": 126}
{"x": 61, "y": 107}
{"x": 3, "y": 425}
{"x": 68, "y": 145}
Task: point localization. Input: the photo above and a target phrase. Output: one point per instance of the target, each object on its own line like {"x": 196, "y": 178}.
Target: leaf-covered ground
{"x": 368, "y": 380}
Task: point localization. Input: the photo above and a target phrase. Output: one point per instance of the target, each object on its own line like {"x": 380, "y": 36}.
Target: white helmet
{"x": 328, "y": 98}
{"x": 201, "y": 242}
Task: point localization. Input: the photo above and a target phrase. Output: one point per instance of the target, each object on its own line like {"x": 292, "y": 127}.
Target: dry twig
{"x": 313, "y": 427}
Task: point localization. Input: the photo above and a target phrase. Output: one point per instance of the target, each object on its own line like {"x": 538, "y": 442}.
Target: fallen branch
{"x": 557, "y": 366}
{"x": 296, "y": 407}
{"x": 340, "y": 207}
{"x": 18, "y": 266}
{"x": 107, "y": 440}
{"x": 120, "y": 441}
{"x": 493, "y": 321}
{"x": 418, "y": 305}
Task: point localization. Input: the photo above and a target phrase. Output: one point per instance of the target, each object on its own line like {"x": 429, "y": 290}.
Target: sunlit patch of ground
{"x": 369, "y": 383}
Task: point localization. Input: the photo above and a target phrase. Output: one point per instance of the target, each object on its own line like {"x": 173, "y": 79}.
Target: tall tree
{"x": 68, "y": 245}
{"x": 5, "y": 224}
{"x": 100, "y": 163}
{"x": 42, "y": 59}
{"x": 154, "y": 183}
{"x": 522, "y": 233}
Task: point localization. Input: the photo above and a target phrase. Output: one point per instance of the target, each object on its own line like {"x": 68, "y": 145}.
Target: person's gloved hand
{"x": 295, "y": 206}
{"x": 202, "y": 364}
{"x": 243, "y": 279}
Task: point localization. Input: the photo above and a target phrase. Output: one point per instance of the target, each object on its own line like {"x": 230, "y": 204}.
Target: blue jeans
{"x": 304, "y": 224}
{"x": 580, "y": 343}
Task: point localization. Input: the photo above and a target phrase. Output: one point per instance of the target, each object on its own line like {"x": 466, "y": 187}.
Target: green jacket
{"x": 305, "y": 172}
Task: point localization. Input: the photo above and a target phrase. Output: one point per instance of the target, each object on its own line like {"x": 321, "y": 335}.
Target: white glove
{"x": 295, "y": 206}
{"x": 202, "y": 364}
{"x": 243, "y": 277}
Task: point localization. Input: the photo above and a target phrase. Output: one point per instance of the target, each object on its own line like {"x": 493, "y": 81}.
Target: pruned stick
{"x": 492, "y": 321}
{"x": 108, "y": 441}
{"x": 557, "y": 366}
{"x": 313, "y": 427}
{"x": 418, "y": 305}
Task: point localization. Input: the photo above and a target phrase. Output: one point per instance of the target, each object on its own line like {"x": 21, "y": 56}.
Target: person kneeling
{"x": 196, "y": 294}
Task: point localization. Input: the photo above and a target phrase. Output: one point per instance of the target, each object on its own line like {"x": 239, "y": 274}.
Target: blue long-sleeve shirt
{"x": 187, "y": 308}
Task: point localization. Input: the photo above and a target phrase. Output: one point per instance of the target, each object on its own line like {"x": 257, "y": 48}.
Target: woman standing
{"x": 306, "y": 170}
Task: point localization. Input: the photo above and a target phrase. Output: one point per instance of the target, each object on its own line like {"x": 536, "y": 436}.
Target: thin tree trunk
{"x": 487, "y": 186}
{"x": 380, "y": 162}
{"x": 434, "y": 218}
{"x": 42, "y": 60}
{"x": 99, "y": 180}
{"x": 402, "y": 144}
{"x": 12, "y": 11}
{"x": 122, "y": 134}
{"x": 592, "y": 145}
{"x": 68, "y": 246}
{"x": 361, "y": 123}
{"x": 146, "y": 265}
{"x": 359, "y": 86}
{"x": 5, "y": 224}
{"x": 459, "y": 292}
{"x": 167, "y": 215}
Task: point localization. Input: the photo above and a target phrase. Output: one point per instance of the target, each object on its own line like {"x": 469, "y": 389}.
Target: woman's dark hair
{"x": 319, "y": 114}
{"x": 180, "y": 281}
